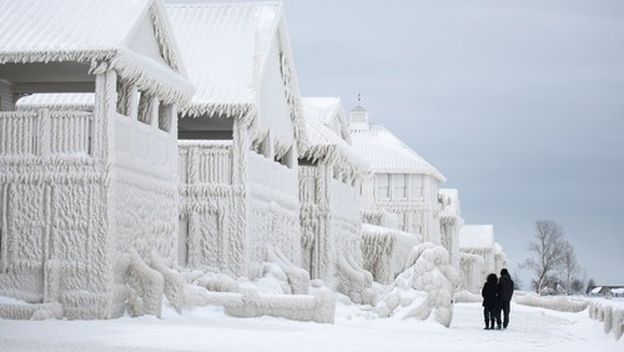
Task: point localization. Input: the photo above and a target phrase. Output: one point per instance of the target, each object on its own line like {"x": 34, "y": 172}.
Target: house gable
{"x": 152, "y": 37}
{"x": 275, "y": 111}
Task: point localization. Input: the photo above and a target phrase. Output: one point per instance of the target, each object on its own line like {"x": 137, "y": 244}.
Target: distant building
{"x": 607, "y": 291}
{"x": 401, "y": 183}
{"x": 480, "y": 255}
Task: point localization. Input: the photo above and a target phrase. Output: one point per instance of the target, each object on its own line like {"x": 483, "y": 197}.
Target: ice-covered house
{"x": 402, "y": 183}
{"x": 450, "y": 223}
{"x": 399, "y": 198}
{"x": 480, "y": 255}
{"x": 239, "y": 138}
{"x": 329, "y": 179}
{"x": 87, "y": 195}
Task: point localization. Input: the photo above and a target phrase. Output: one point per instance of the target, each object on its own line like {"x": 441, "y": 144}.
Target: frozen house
{"x": 239, "y": 138}
{"x": 450, "y": 222}
{"x": 402, "y": 183}
{"x": 480, "y": 255}
{"x": 329, "y": 179}
{"x": 89, "y": 192}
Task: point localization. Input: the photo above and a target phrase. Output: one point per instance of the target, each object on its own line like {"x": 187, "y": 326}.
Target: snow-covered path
{"x": 207, "y": 329}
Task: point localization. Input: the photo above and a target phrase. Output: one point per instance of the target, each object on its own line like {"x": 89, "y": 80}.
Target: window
{"x": 399, "y": 183}
{"x": 383, "y": 186}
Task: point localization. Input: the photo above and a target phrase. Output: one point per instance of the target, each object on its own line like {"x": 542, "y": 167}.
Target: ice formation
{"x": 561, "y": 304}
{"x": 426, "y": 285}
{"x": 238, "y": 152}
{"x": 450, "y": 223}
{"x": 385, "y": 251}
{"x": 271, "y": 292}
{"x": 80, "y": 189}
{"x": 401, "y": 182}
{"x": 480, "y": 255}
{"x": 610, "y": 313}
{"x": 187, "y": 170}
{"x": 329, "y": 176}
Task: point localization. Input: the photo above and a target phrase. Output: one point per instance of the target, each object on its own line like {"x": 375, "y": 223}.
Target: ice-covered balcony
{"x": 45, "y": 133}
{"x": 205, "y": 161}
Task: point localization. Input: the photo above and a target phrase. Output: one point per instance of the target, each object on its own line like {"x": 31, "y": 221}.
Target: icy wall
{"x": 212, "y": 208}
{"x": 78, "y": 189}
{"x": 471, "y": 268}
{"x": 384, "y": 251}
{"x": 273, "y": 210}
{"x": 331, "y": 232}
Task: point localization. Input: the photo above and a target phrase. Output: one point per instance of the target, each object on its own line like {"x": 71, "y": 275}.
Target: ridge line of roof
{"x": 225, "y": 5}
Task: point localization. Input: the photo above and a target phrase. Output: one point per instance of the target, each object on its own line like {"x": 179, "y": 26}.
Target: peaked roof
{"x": 386, "y": 153}
{"x": 328, "y": 111}
{"x": 90, "y": 32}
{"x": 323, "y": 142}
{"x": 476, "y": 236}
{"x": 225, "y": 47}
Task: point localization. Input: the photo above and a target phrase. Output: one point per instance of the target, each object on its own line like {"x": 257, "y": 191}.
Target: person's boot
{"x": 487, "y": 325}
{"x": 498, "y": 327}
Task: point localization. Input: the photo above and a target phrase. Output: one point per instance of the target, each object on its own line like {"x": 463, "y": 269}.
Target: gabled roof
{"x": 329, "y": 111}
{"x": 386, "y": 153}
{"x": 476, "y": 237}
{"x": 323, "y": 142}
{"x": 40, "y": 31}
{"x": 224, "y": 47}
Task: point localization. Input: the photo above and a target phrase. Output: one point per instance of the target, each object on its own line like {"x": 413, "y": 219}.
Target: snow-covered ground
{"x": 208, "y": 329}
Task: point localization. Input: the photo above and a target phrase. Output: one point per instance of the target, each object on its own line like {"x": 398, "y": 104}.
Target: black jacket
{"x": 505, "y": 288}
{"x": 490, "y": 295}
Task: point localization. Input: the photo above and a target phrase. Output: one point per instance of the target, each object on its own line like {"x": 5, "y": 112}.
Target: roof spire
{"x": 359, "y": 98}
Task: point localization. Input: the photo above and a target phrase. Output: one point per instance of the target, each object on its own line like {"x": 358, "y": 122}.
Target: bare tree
{"x": 569, "y": 266}
{"x": 547, "y": 251}
{"x": 577, "y": 286}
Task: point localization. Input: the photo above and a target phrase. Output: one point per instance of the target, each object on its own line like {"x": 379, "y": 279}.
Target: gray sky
{"x": 520, "y": 104}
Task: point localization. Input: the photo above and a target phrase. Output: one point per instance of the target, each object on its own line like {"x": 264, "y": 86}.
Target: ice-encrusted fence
{"x": 44, "y": 132}
{"x": 610, "y": 313}
{"x": 205, "y": 161}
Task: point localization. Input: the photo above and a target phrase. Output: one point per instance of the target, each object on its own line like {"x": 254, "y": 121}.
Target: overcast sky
{"x": 519, "y": 103}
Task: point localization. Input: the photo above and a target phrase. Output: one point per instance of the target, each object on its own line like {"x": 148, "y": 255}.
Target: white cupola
{"x": 358, "y": 118}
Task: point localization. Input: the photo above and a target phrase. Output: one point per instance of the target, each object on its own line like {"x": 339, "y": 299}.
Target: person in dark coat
{"x": 505, "y": 292}
{"x": 491, "y": 302}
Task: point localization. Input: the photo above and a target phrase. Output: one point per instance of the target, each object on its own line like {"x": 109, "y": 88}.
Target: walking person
{"x": 505, "y": 292}
{"x": 491, "y": 302}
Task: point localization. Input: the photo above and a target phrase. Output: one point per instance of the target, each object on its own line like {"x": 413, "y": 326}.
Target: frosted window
{"x": 383, "y": 186}
{"x": 400, "y": 186}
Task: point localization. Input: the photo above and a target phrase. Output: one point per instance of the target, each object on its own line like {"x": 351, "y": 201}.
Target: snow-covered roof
{"x": 596, "y": 290}
{"x": 450, "y": 203}
{"x": 330, "y": 112}
{"x": 92, "y": 32}
{"x": 57, "y": 101}
{"x": 386, "y": 153}
{"x": 323, "y": 142}
{"x": 226, "y": 49}
{"x": 476, "y": 236}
